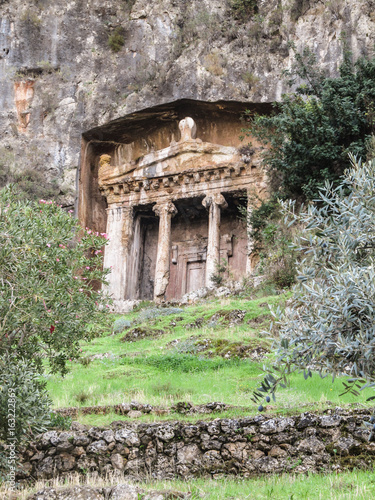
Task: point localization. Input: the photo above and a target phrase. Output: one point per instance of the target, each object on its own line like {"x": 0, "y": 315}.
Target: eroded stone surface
{"x": 59, "y": 76}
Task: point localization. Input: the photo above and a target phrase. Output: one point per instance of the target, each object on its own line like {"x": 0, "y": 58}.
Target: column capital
{"x": 214, "y": 199}
{"x": 165, "y": 208}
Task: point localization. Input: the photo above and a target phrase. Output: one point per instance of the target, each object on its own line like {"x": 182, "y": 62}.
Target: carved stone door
{"x": 195, "y": 276}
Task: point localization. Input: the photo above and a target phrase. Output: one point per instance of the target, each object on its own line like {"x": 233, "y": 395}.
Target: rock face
{"x": 68, "y": 67}
{"x": 247, "y": 446}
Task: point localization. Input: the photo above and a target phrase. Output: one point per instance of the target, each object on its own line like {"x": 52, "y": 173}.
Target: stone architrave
{"x": 214, "y": 203}
{"x": 120, "y": 229}
{"x": 165, "y": 212}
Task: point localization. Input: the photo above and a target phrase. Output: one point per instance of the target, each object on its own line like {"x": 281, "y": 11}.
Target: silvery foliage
{"x": 329, "y": 324}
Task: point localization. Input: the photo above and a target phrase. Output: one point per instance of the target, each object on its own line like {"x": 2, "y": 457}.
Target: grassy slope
{"x": 159, "y": 371}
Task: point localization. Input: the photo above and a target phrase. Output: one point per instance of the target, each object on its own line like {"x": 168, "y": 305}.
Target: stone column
{"x": 250, "y": 243}
{"x": 165, "y": 212}
{"x": 119, "y": 230}
{"x": 214, "y": 203}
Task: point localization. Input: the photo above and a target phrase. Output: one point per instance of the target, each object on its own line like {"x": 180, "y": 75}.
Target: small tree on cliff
{"x": 328, "y": 326}
{"x": 47, "y": 267}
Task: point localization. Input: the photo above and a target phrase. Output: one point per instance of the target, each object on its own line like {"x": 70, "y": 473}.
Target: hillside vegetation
{"x": 213, "y": 351}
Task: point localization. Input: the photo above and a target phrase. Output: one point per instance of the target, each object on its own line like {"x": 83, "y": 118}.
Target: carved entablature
{"x": 184, "y": 169}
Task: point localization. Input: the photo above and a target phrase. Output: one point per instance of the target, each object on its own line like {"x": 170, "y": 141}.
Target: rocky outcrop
{"x": 68, "y": 67}
{"x": 246, "y": 446}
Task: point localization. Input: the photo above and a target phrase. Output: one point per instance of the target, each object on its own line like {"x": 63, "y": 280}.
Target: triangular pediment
{"x": 187, "y": 155}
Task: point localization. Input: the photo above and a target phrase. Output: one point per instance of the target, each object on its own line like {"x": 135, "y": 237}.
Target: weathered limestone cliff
{"x": 60, "y": 75}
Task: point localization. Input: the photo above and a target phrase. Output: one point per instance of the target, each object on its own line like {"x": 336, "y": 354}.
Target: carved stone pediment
{"x": 189, "y": 156}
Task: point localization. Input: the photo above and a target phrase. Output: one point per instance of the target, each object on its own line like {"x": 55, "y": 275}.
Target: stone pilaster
{"x": 165, "y": 212}
{"x": 119, "y": 230}
{"x": 214, "y": 203}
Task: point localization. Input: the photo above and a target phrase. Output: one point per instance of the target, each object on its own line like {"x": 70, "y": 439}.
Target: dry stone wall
{"x": 246, "y": 446}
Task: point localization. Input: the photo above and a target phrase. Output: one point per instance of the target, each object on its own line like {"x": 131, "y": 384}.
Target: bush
{"x": 116, "y": 40}
{"x": 48, "y": 266}
{"x": 272, "y": 240}
{"x": 60, "y": 422}
{"x": 121, "y": 324}
{"x": 30, "y": 407}
{"x": 313, "y": 130}
{"x": 244, "y": 7}
{"x": 328, "y": 326}
{"x": 30, "y": 182}
{"x": 221, "y": 271}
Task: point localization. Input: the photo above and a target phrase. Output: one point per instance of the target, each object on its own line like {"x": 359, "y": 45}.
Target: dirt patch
{"x": 140, "y": 333}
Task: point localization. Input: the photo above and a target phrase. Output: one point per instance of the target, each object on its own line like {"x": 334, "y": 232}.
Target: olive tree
{"x": 329, "y": 324}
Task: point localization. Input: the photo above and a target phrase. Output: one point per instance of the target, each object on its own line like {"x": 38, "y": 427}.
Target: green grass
{"x": 353, "y": 485}
{"x": 165, "y": 369}
{"x": 345, "y": 486}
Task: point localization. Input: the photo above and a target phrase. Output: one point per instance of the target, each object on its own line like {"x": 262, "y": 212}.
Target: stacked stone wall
{"x": 247, "y": 446}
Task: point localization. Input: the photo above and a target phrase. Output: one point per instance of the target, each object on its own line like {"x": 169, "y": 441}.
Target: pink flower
{"x": 80, "y": 290}
{"x": 57, "y": 260}
{"x": 61, "y": 246}
{"x": 48, "y": 245}
{"x": 70, "y": 211}
{"x": 106, "y": 305}
{"x": 87, "y": 267}
{"x": 105, "y": 235}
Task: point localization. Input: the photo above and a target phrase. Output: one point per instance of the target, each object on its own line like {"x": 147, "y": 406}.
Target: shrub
{"x": 328, "y": 326}
{"x": 273, "y": 241}
{"x": 313, "y": 130}
{"x": 116, "y": 40}
{"x": 30, "y": 181}
{"x": 218, "y": 277}
{"x": 121, "y": 324}
{"x": 30, "y": 406}
{"x": 60, "y": 422}
{"x": 48, "y": 266}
